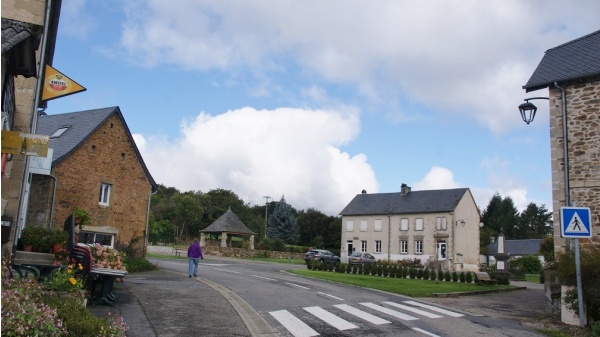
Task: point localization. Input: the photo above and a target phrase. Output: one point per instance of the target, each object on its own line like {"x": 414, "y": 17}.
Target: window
{"x": 59, "y": 132}
{"x": 418, "y": 247}
{"x": 363, "y": 245}
{"x": 441, "y": 224}
{"x": 404, "y": 247}
{"x": 104, "y": 194}
{"x": 378, "y": 225}
{"x": 404, "y": 224}
{"x": 363, "y": 225}
{"x": 91, "y": 238}
{"x": 349, "y": 226}
{"x": 377, "y": 246}
{"x": 419, "y": 224}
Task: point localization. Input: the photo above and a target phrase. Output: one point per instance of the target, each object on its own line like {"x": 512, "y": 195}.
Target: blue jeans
{"x": 193, "y": 265}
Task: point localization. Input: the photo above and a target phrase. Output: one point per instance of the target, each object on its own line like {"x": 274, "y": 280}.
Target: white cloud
{"x": 436, "y": 179}
{"x": 286, "y": 151}
{"x": 446, "y": 55}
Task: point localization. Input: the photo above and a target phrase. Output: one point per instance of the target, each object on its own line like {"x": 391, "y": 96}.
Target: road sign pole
{"x": 579, "y": 287}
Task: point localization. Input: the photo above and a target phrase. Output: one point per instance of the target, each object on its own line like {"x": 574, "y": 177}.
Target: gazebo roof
{"x": 229, "y": 223}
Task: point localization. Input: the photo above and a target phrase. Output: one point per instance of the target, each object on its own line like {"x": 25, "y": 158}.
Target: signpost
{"x": 576, "y": 223}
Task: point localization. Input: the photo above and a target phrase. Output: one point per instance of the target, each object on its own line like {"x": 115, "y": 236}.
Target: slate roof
{"x": 82, "y": 125}
{"x": 414, "y": 202}
{"x": 517, "y": 247}
{"x": 228, "y": 222}
{"x": 13, "y": 32}
{"x": 574, "y": 60}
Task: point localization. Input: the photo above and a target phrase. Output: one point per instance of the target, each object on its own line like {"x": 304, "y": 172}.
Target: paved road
{"x": 167, "y": 303}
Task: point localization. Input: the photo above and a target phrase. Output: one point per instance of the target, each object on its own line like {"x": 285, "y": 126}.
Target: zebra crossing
{"x": 371, "y": 313}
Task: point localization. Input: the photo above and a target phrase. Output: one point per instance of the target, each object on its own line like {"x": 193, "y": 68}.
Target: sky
{"x": 315, "y": 101}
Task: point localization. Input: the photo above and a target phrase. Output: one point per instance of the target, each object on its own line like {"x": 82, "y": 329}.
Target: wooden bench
{"x": 484, "y": 278}
{"x": 179, "y": 251}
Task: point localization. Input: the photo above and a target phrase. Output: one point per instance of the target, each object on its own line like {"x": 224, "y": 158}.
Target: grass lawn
{"x": 408, "y": 287}
{"x": 534, "y": 278}
{"x": 266, "y": 259}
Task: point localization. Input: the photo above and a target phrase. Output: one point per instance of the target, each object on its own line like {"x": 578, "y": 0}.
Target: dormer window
{"x": 59, "y": 132}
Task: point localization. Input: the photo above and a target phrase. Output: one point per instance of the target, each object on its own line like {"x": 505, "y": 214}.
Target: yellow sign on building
{"x": 15, "y": 142}
{"x": 58, "y": 85}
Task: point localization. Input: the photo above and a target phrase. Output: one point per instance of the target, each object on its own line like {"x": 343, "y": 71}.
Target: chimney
{"x": 404, "y": 189}
{"x": 364, "y": 191}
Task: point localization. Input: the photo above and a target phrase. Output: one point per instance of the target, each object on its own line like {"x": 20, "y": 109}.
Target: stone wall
{"x": 242, "y": 252}
{"x": 106, "y": 157}
{"x": 583, "y": 127}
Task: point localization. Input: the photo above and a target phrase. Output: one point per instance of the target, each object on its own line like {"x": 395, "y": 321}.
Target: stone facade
{"x": 107, "y": 156}
{"x": 29, "y": 11}
{"x": 583, "y": 128}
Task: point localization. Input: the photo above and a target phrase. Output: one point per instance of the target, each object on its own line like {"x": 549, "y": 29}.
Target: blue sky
{"x": 316, "y": 101}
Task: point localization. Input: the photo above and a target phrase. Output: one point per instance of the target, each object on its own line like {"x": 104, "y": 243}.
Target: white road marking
{"x": 389, "y": 312}
{"x": 337, "y": 298}
{"x": 362, "y": 314}
{"x": 425, "y": 332}
{"x": 295, "y": 326}
{"x": 296, "y": 285}
{"x": 265, "y": 278}
{"x": 230, "y": 271}
{"x": 331, "y": 319}
{"x": 415, "y": 310}
{"x": 434, "y": 308}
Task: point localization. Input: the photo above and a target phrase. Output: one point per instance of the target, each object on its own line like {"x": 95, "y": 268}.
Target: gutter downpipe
{"x": 568, "y": 202}
{"x": 389, "y": 236}
{"x": 24, "y": 197}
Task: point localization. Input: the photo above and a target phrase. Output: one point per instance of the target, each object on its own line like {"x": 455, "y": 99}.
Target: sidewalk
{"x": 166, "y": 303}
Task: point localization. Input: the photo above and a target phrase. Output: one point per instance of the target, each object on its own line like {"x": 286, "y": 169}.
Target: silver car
{"x": 361, "y": 258}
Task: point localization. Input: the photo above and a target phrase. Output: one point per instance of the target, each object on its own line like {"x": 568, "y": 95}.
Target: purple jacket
{"x": 195, "y": 251}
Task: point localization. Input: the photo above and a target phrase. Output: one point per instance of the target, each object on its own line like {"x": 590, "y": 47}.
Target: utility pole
{"x": 266, "y": 213}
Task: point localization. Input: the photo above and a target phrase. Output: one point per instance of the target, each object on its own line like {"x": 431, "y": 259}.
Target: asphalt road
{"x": 244, "y": 298}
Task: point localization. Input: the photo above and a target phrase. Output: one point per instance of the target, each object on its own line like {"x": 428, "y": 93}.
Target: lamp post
{"x": 266, "y": 208}
{"x": 528, "y": 111}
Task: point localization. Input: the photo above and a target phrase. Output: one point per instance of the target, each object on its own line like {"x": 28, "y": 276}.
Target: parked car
{"x": 321, "y": 255}
{"x": 361, "y": 258}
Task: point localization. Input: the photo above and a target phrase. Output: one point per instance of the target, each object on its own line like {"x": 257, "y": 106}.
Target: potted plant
{"x": 82, "y": 217}
{"x": 58, "y": 239}
{"x": 28, "y": 239}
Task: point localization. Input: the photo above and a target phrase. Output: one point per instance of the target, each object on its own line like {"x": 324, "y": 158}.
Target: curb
{"x": 477, "y": 292}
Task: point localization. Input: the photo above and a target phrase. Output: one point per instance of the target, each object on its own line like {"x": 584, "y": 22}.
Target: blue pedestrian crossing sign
{"x": 576, "y": 222}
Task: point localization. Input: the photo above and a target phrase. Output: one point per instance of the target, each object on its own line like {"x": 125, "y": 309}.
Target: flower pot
{"x": 28, "y": 248}
{"x": 56, "y": 247}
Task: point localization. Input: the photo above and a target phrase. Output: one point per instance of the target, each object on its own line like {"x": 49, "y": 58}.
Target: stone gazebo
{"x": 228, "y": 226}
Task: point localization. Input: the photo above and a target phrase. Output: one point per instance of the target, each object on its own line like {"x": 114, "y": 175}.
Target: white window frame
{"x": 363, "y": 246}
{"x": 419, "y": 224}
{"x": 444, "y": 224}
{"x": 403, "y": 246}
{"x": 377, "y": 246}
{"x": 404, "y": 224}
{"x": 442, "y": 247}
{"x": 418, "y": 246}
{"x": 350, "y": 226}
{"x": 90, "y": 238}
{"x": 104, "y": 199}
{"x": 364, "y": 225}
{"x": 377, "y": 226}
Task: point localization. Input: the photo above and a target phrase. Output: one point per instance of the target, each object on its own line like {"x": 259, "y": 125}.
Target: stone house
{"x": 29, "y": 31}
{"x": 431, "y": 225}
{"x": 571, "y": 73}
{"x": 96, "y": 165}
{"x": 515, "y": 249}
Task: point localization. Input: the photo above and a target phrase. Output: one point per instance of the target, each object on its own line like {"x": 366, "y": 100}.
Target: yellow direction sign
{"x": 15, "y": 142}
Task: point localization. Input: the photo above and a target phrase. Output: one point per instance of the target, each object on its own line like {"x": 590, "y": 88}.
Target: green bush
{"x": 426, "y": 273}
{"x": 469, "y": 277}
{"x": 447, "y": 276}
{"x": 440, "y": 276}
{"x": 461, "y": 277}
{"x": 433, "y": 275}
{"x": 348, "y": 268}
{"x": 379, "y": 270}
{"x": 454, "y": 276}
{"x": 419, "y": 274}
{"x": 530, "y": 264}
{"x": 412, "y": 273}
{"x": 136, "y": 264}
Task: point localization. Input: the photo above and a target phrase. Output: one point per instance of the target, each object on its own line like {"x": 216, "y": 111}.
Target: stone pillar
{"x": 251, "y": 242}
{"x": 501, "y": 256}
{"x": 202, "y": 240}
{"x": 223, "y": 240}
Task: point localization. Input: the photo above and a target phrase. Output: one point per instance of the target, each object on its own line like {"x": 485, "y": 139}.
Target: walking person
{"x": 194, "y": 253}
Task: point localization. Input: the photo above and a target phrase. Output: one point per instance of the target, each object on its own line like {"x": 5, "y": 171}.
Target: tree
{"x": 534, "y": 223}
{"x": 282, "y": 223}
{"x": 318, "y": 230}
